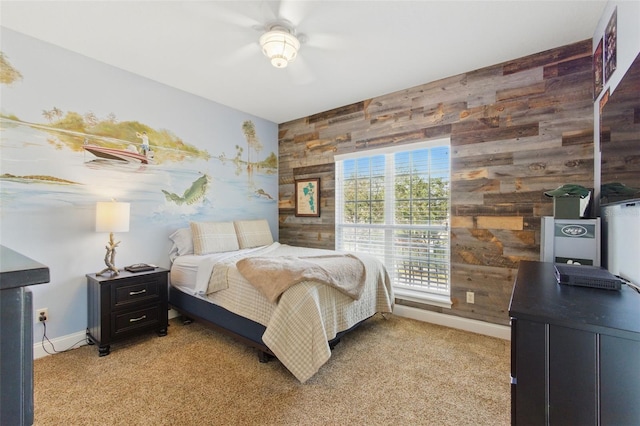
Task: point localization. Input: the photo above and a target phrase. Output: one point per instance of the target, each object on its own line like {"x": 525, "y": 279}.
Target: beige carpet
{"x": 390, "y": 371}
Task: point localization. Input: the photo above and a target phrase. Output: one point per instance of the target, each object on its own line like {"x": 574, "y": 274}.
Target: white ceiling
{"x": 355, "y": 50}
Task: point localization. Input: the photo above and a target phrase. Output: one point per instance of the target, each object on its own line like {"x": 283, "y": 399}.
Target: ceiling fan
{"x": 280, "y": 43}
{"x": 279, "y": 39}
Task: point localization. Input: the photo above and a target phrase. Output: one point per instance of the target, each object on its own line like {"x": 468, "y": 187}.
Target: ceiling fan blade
{"x": 300, "y": 73}
{"x": 270, "y": 10}
{"x": 326, "y": 41}
{"x": 294, "y": 11}
{"x": 226, "y": 15}
{"x": 242, "y": 54}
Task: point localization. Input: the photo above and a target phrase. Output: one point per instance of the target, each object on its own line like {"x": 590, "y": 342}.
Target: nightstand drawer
{"x": 125, "y": 322}
{"x": 141, "y": 291}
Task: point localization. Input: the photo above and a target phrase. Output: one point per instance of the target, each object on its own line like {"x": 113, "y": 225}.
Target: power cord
{"x": 633, "y": 286}
{"x": 44, "y": 336}
{"x": 629, "y": 283}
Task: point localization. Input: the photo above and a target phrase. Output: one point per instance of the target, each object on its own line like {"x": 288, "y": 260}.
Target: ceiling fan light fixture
{"x": 280, "y": 46}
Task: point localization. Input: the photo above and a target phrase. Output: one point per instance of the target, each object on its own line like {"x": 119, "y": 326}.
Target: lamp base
{"x": 110, "y": 257}
{"x": 114, "y": 271}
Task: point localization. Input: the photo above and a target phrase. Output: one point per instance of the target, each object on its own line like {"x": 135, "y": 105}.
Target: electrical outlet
{"x": 471, "y": 297}
{"x": 42, "y": 314}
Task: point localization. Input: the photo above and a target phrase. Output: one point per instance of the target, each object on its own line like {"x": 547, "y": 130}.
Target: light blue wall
{"x": 53, "y": 223}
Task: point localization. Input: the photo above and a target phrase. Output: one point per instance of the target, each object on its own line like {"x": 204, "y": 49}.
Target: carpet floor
{"x": 389, "y": 371}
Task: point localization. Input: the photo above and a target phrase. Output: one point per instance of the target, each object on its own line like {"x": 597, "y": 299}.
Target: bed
{"x": 289, "y": 302}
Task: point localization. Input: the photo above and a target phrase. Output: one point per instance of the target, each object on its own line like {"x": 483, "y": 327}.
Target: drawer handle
{"x": 133, "y": 293}
{"x": 137, "y": 319}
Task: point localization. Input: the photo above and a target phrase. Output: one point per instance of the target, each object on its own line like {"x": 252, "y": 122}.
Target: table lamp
{"x": 111, "y": 216}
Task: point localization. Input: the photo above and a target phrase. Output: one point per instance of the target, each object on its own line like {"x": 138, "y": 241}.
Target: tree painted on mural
{"x": 8, "y": 74}
{"x": 52, "y": 114}
{"x": 253, "y": 142}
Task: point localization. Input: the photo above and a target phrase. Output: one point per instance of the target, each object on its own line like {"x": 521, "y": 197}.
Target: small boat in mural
{"x": 130, "y": 155}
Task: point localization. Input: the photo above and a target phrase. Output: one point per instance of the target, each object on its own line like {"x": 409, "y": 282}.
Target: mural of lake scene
{"x": 75, "y": 131}
{"x": 43, "y": 166}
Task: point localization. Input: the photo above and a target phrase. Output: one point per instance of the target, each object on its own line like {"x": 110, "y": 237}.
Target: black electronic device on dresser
{"x": 575, "y": 351}
{"x": 125, "y": 305}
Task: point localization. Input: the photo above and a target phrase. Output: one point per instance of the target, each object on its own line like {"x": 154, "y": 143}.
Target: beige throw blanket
{"x": 273, "y": 275}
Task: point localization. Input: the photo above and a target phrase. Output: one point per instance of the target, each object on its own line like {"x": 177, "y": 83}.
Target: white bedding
{"x": 307, "y": 316}
{"x": 193, "y": 272}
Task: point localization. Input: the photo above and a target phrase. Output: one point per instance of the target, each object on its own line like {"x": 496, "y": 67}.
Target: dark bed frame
{"x": 220, "y": 319}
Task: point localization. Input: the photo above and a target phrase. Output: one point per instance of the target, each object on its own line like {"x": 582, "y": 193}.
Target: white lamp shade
{"x": 279, "y": 46}
{"x": 112, "y": 216}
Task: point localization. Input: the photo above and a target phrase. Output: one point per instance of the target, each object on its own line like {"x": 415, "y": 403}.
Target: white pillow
{"x": 253, "y": 233}
{"x": 182, "y": 241}
{"x": 213, "y": 237}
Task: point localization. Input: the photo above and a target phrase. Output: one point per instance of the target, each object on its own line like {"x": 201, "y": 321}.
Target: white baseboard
{"x": 64, "y": 342}
{"x": 61, "y": 344}
{"x": 466, "y": 324}
{"x": 494, "y": 330}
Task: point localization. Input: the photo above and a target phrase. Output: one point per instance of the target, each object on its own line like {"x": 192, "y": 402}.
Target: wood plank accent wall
{"x": 517, "y": 129}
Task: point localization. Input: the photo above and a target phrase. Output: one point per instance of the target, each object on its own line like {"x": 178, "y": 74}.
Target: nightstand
{"x": 126, "y": 305}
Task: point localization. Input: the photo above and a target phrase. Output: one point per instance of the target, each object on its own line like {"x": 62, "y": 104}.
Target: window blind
{"x": 394, "y": 204}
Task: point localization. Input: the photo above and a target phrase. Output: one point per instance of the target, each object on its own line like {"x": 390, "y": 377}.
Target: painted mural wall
{"x": 75, "y": 131}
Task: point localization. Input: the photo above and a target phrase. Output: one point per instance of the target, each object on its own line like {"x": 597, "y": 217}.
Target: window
{"x": 394, "y": 204}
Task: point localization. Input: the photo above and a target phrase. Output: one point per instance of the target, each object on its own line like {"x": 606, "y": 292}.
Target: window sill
{"x": 424, "y": 298}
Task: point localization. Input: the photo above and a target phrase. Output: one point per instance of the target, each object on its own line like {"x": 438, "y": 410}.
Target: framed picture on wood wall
{"x": 308, "y": 197}
{"x": 598, "y": 70}
{"x": 611, "y": 46}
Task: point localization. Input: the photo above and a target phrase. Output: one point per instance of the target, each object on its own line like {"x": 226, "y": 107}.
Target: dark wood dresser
{"x": 575, "y": 352}
{"x": 16, "y": 335}
{"x": 125, "y": 305}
